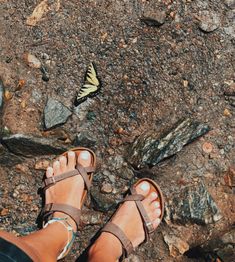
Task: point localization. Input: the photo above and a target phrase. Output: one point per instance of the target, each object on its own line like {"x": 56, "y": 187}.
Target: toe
{"x": 143, "y": 188}
{"x": 156, "y": 222}
{"x": 56, "y": 167}
{"x": 154, "y": 205}
{"x": 71, "y": 160}
{"x": 157, "y": 212}
{"x": 84, "y": 158}
{"x": 49, "y": 172}
{"x": 150, "y": 198}
{"x": 63, "y": 163}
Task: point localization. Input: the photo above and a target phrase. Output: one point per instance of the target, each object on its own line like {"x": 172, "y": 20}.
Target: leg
{"x": 43, "y": 245}
{"x": 107, "y": 248}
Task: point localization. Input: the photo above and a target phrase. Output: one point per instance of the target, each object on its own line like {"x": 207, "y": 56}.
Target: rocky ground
{"x": 161, "y": 63}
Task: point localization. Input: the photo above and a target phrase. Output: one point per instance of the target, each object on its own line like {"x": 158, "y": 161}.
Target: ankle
{"x": 106, "y": 245}
{"x": 65, "y": 246}
{"x": 69, "y": 220}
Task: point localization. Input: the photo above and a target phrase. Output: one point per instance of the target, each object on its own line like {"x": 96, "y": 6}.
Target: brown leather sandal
{"x": 49, "y": 209}
{"x": 148, "y": 227}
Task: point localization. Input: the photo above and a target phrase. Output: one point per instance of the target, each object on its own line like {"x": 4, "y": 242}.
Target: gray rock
{"x": 36, "y": 96}
{"x": 133, "y": 258}
{"x": 1, "y": 94}
{"x": 192, "y": 205}
{"x": 230, "y": 3}
{"x": 231, "y": 100}
{"x": 153, "y": 17}
{"x": 8, "y": 159}
{"x": 226, "y": 250}
{"x": 115, "y": 162}
{"x": 45, "y": 74}
{"x": 83, "y": 139}
{"x": 55, "y": 113}
{"x": 151, "y": 148}
{"x": 126, "y": 173}
{"x": 30, "y": 146}
{"x": 102, "y": 202}
{"x": 90, "y": 217}
{"x": 209, "y": 21}
{"x": 230, "y": 30}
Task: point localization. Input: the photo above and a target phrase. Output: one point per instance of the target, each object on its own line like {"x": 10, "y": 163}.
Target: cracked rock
{"x": 55, "y": 113}
{"x": 193, "y": 205}
{"x": 150, "y": 148}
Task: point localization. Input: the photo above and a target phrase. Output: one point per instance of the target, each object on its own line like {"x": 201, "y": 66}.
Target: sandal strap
{"x": 71, "y": 211}
{"x": 133, "y": 197}
{"x": 50, "y": 181}
{"x": 83, "y": 171}
{"x": 117, "y": 231}
{"x": 148, "y": 226}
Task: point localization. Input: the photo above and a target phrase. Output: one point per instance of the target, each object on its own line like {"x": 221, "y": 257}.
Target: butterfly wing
{"x": 91, "y": 86}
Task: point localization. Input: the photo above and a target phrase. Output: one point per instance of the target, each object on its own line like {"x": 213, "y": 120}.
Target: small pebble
{"x": 8, "y": 95}
{"x": 45, "y": 56}
{"x": 207, "y": 147}
{"x": 32, "y": 60}
{"x": 42, "y": 165}
{"x": 21, "y": 83}
{"x": 222, "y": 151}
{"x": 227, "y": 112}
{"x": 106, "y": 188}
{"x": 23, "y": 104}
{"x": 209, "y": 21}
{"x": 4, "y": 212}
{"x": 22, "y": 168}
{"x": 185, "y": 83}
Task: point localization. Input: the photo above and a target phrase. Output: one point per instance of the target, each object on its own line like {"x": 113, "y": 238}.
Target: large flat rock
{"x": 30, "y": 146}
{"x": 150, "y": 148}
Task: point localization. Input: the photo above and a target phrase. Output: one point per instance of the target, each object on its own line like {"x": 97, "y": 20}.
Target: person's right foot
{"x": 128, "y": 219}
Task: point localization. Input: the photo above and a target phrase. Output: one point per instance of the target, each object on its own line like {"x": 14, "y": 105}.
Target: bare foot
{"x": 127, "y": 218}
{"x": 70, "y": 190}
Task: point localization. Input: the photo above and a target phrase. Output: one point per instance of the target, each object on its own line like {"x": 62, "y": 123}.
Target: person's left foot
{"x": 68, "y": 191}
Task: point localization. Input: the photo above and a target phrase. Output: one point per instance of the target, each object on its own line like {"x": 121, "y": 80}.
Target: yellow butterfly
{"x": 91, "y": 86}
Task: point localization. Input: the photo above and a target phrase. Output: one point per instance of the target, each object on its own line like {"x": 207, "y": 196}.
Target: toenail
{"x": 84, "y": 155}
{"x": 56, "y": 163}
{"x": 156, "y": 204}
{"x": 71, "y": 153}
{"x": 158, "y": 220}
{"x": 154, "y": 195}
{"x": 50, "y": 171}
{"x": 62, "y": 158}
{"x": 158, "y": 212}
{"x": 144, "y": 186}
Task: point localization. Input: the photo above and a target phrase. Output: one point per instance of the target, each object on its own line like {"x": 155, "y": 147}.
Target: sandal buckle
{"x": 53, "y": 180}
{"x": 149, "y": 226}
